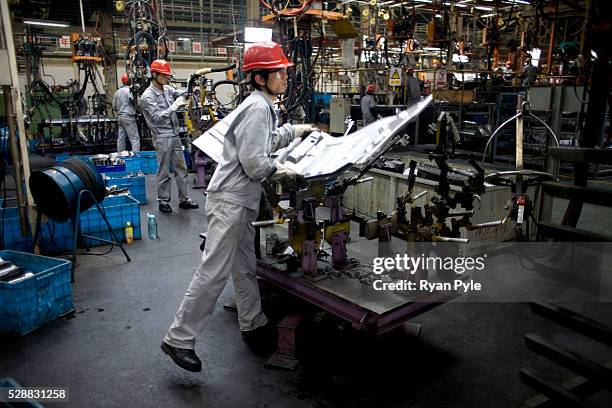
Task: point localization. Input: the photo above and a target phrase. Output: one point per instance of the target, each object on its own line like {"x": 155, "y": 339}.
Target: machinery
{"x": 203, "y": 111}
{"x": 60, "y": 115}
{"x": 298, "y": 245}
{"x": 147, "y": 43}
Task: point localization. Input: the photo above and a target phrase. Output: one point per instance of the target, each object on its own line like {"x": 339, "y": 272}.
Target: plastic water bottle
{"x": 152, "y": 226}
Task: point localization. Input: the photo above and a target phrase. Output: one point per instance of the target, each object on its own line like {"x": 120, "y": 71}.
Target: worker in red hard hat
{"x": 159, "y": 103}
{"x": 507, "y": 70}
{"x": 367, "y": 104}
{"x": 232, "y": 204}
{"x": 127, "y": 128}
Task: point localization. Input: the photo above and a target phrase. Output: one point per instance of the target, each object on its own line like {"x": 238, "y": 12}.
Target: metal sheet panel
{"x": 320, "y": 154}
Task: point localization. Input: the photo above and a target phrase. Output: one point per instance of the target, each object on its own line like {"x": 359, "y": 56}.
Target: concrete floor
{"x": 107, "y": 353}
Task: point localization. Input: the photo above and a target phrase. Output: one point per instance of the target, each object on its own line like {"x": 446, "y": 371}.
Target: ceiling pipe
{"x": 82, "y": 16}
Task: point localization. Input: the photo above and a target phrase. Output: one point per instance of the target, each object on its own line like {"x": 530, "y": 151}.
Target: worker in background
{"x": 123, "y": 104}
{"x": 530, "y": 73}
{"x": 232, "y": 204}
{"x": 414, "y": 87}
{"x": 159, "y": 103}
{"x": 367, "y": 103}
{"x": 508, "y": 72}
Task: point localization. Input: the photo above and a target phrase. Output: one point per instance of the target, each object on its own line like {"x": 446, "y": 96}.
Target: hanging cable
{"x": 305, "y": 5}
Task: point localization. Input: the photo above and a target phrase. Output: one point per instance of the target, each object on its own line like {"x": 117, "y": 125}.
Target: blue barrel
{"x": 56, "y": 190}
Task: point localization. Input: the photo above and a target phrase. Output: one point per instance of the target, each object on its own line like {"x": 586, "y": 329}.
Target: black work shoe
{"x": 262, "y": 339}
{"x": 184, "y": 358}
{"x": 188, "y": 205}
{"x": 165, "y": 208}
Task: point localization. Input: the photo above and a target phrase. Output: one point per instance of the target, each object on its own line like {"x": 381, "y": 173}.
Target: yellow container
{"x": 129, "y": 233}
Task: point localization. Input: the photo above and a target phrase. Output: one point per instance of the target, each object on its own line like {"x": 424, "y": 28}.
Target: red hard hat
{"x": 265, "y": 56}
{"x": 161, "y": 66}
{"x": 371, "y": 88}
{"x": 125, "y": 79}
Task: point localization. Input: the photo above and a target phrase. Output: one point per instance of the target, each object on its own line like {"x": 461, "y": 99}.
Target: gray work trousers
{"x": 169, "y": 150}
{"x": 230, "y": 249}
{"x": 128, "y": 128}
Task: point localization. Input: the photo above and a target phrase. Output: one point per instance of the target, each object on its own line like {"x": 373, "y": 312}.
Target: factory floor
{"x": 107, "y": 353}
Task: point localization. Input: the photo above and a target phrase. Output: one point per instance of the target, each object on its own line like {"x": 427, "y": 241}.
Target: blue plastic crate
{"x": 62, "y": 157}
{"x": 133, "y": 164}
{"x": 10, "y": 228}
{"x": 135, "y": 184}
{"x": 149, "y": 162}
{"x": 113, "y": 168}
{"x": 65, "y": 156}
{"x": 119, "y": 210}
{"x": 56, "y": 237}
{"x": 32, "y": 144}
{"x": 26, "y": 305}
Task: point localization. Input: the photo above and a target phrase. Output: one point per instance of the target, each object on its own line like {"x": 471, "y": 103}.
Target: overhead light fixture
{"x": 49, "y": 23}
{"x": 184, "y": 39}
{"x": 485, "y": 8}
{"x": 488, "y": 15}
{"x": 404, "y": 3}
{"x": 257, "y": 34}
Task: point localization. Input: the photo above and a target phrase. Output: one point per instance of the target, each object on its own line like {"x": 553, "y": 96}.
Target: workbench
{"x": 349, "y": 294}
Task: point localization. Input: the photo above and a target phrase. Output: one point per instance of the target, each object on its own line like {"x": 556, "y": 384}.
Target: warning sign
{"x": 64, "y": 41}
{"x": 441, "y": 78}
{"x": 395, "y": 77}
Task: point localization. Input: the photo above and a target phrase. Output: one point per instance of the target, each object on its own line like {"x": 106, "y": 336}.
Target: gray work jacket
{"x": 414, "y": 90}
{"x": 155, "y": 106}
{"x": 367, "y": 103}
{"x": 248, "y": 144}
{"x": 123, "y": 103}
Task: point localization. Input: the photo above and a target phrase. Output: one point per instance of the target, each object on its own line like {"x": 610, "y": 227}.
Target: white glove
{"x": 282, "y": 172}
{"x": 203, "y": 71}
{"x": 302, "y": 131}
{"x": 178, "y": 103}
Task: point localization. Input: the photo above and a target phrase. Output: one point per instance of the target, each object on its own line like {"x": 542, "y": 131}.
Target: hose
{"x": 87, "y": 175}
